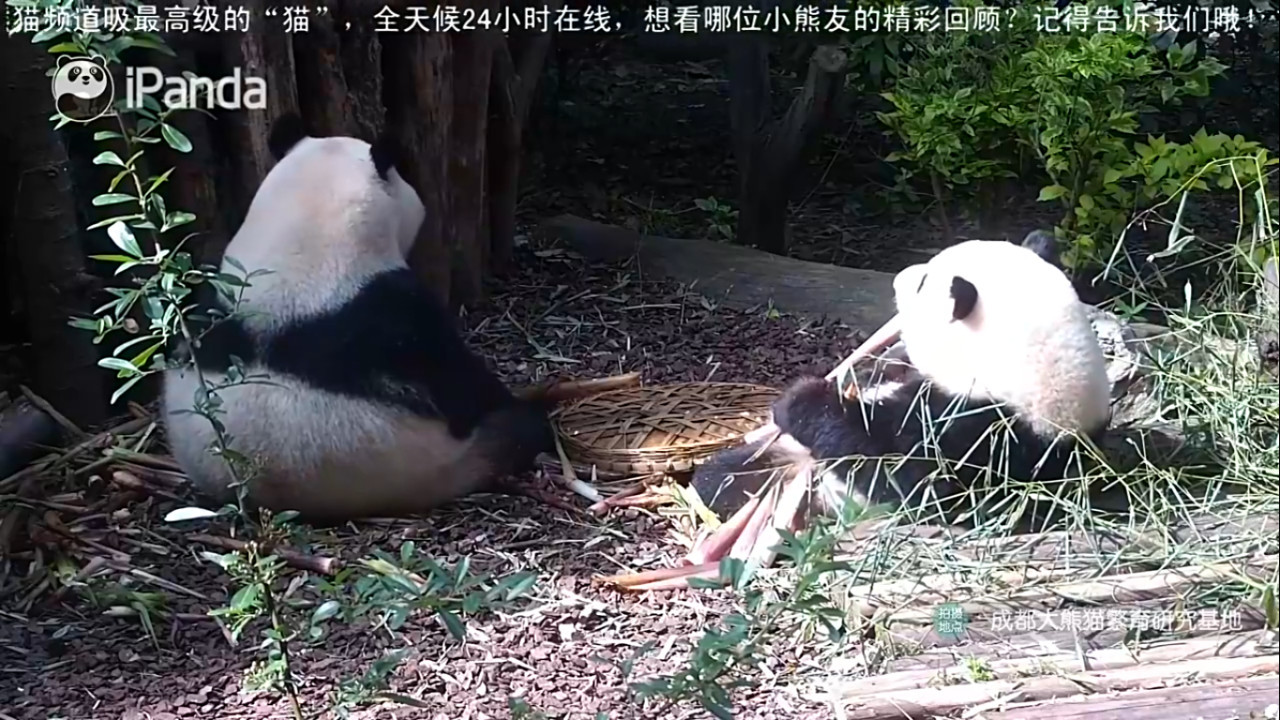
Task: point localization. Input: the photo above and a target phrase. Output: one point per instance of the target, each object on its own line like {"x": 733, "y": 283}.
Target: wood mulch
{"x": 62, "y": 657}
{"x": 65, "y": 655}
{"x": 69, "y": 654}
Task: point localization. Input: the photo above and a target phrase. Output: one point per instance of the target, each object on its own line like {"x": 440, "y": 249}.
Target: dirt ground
{"x": 637, "y": 155}
{"x": 563, "y": 649}
{"x": 561, "y": 652}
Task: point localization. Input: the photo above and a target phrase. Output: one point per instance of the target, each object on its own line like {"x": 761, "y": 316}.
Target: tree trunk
{"x": 25, "y": 430}
{"x": 769, "y": 154}
{"x": 749, "y": 96}
{"x": 339, "y": 66}
{"x": 265, "y": 51}
{"x": 515, "y": 77}
{"x": 322, "y": 80}
{"x": 12, "y": 303}
{"x": 361, "y": 56}
{"x": 191, "y": 187}
{"x": 468, "y": 219}
{"x": 46, "y": 244}
{"x": 419, "y": 90}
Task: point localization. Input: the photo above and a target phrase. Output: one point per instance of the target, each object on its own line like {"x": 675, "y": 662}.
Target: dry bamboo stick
{"x": 925, "y": 703}
{"x": 1099, "y": 660}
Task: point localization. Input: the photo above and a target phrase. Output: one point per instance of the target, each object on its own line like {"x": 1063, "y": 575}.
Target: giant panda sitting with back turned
{"x": 998, "y": 367}
{"x": 373, "y": 404}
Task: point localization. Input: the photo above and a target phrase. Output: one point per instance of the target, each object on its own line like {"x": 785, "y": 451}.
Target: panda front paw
{"x": 806, "y": 405}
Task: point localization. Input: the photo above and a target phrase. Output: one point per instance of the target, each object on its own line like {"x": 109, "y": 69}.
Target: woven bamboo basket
{"x": 659, "y": 429}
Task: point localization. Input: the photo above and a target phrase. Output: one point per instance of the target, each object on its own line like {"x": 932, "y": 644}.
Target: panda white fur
{"x": 373, "y": 405}
{"x": 998, "y": 366}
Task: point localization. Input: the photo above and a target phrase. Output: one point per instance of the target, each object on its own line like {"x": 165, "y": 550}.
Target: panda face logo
{"x": 83, "y": 88}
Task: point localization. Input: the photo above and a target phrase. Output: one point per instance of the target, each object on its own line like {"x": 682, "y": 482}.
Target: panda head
{"x": 995, "y": 320}
{"x": 330, "y": 197}
{"x": 331, "y": 213}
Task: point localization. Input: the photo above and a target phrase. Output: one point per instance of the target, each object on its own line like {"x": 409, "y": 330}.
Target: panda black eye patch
{"x": 965, "y": 296}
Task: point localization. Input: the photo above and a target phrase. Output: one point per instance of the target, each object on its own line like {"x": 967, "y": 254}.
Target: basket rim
{"x": 644, "y": 388}
{"x": 654, "y": 454}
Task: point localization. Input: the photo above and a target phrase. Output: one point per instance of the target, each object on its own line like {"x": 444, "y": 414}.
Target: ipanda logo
{"x": 190, "y": 91}
{"x": 82, "y": 88}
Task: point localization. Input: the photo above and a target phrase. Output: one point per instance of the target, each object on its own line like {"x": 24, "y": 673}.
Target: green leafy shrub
{"x": 1139, "y": 174}
{"x": 956, "y": 103}
{"x": 974, "y": 106}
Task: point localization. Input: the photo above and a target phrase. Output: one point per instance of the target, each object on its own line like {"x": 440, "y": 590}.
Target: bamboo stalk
{"x": 922, "y": 703}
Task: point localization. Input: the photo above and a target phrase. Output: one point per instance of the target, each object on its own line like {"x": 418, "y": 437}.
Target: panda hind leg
{"x": 510, "y": 440}
{"x": 727, "y": 480}
{"x": 811, "y": 411}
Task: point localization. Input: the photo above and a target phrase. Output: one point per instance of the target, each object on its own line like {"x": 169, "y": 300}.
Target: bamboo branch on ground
{"x": 559, "y": 391}
{"x": 129, "y": 481}
{"x": 312, "y": 563}
{"x": 102, "y": 439}
{"x": 1100, "y": 660}
{"x": 931, "y": 702}
{"x": 1023, "y": 595}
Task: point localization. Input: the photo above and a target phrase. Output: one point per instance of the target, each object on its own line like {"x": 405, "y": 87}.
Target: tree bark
{"x": 467, "y": 229}
{"x": 515, "y": 78}
{"x": 321, "y": 77}
{"x": 418, "y": 74}
{"x": 265, "y": 51}
{"x": 339, "y": 68}
{"x": 191, "y": 187}
{"x": 361, "y": 56}
{"x": 47, "y": 244}
{"x": 11, "y": 301}
{"x": 770, "y": 153}
{"x": 193, "y": 190}
{"x": 749, "y": 96}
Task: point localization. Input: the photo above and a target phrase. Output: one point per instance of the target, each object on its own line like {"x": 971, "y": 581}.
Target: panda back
{"x": 391, "y": 343}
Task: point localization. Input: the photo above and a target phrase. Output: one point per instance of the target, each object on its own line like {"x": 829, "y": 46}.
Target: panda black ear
{"x": 965, "y": 297}
{"x": 286, "y": 132}
{"x": 1043, "y": 244}
{"x": 384, "y": 153}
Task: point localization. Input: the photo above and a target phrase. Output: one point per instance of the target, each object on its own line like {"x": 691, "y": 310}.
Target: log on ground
{"x": 1237, "y": 698}
{"x": 929, "y": 702}
{"x": 737, "y": 276}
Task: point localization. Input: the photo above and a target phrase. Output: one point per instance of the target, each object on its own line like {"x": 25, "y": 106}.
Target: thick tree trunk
{"x": 418, "y": 74}
{"x": 322, "y": 80}
{"x": 11, "y": 300}
{"x": 46, "y": 244}
{"x": 749, "y": 95}
{"x": 339, "y": 68}
{"x": 769, "y": 154}
{"x": 468, "y": 238}
{"x": 361, "y": 56}
{"x": 515, "y": 78}
{"x": 24, "y": 431}
{"x": 191, "y": 187}
{"x": 265, "y": 51}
